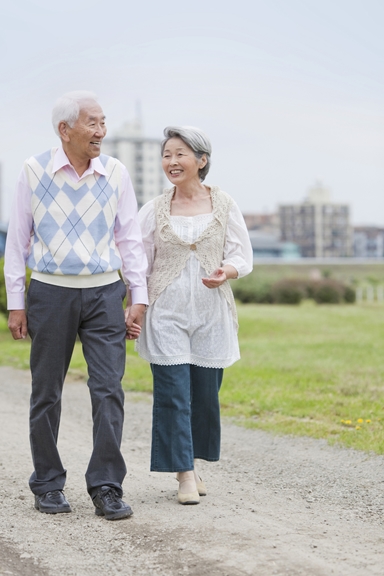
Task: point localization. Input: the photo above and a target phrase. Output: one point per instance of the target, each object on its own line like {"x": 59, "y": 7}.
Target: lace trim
{"x": 198, "y": 217}
{"x": 187, "y": 359}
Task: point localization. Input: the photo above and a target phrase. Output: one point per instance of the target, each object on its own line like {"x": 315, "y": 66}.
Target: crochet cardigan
{"x": 172, "y": 253}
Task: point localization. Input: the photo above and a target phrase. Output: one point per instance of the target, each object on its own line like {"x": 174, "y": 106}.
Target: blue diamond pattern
{"x": 103, "y": 191}
{"x": 114, "y": 260}
{"x": 75, "y": 195}
{"x": 96, "y": 264}
{"x": 98, "y": 228}
{"x": 50, "y": 265}
{"x": 31, "y": 262}
{"x": 71, "y": 264}
{"x": 47, "y": 228}
{"x": 73, "y": 227}
{"x": 44, "y": 158}
{"x": 104, "y": 159}
{"x": 100, "y": 208}
{"x": 46, "y": 190}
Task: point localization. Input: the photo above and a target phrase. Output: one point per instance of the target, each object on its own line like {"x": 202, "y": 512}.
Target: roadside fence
{"x": 370, "y": 293}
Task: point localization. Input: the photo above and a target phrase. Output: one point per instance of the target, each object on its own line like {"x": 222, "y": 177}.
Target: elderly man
{"x": 74, "y": 223}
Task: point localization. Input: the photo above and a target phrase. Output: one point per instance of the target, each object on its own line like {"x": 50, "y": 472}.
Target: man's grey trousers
{"x": 56, "y": 316}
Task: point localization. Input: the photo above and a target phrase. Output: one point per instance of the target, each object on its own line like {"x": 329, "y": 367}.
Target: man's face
{"x": 87, "y": 134}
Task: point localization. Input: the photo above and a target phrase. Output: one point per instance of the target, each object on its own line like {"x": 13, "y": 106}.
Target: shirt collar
{"x": 61, "y": 159}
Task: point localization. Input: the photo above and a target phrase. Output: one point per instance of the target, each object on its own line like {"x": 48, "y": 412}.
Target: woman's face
{"x": 180, "y": 163}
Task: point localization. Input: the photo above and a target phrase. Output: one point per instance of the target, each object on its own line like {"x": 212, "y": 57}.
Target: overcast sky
{"x": 289, "y": 91}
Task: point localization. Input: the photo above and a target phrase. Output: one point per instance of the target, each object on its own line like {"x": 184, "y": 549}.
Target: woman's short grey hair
{"x": 67, "y": 108}
{"x": 195, "y": 139}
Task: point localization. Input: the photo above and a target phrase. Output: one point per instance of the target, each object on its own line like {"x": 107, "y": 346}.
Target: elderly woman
{"x": 196, "y": 240}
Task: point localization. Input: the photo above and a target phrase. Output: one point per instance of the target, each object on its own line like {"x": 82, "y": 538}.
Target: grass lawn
{"x": 308, "y": 370}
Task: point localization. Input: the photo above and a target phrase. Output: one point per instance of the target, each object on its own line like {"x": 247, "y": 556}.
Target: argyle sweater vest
{"x": 73, "y": 223}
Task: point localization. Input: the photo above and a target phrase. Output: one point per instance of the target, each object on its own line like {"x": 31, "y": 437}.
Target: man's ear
{"x": 63, "y": 131}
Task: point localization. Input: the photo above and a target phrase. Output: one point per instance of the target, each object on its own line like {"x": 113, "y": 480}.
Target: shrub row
{"x": 249, "y": 290}
{"x": 293, "y": 291}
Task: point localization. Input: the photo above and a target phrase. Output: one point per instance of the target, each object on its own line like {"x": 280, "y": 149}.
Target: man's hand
{"x": 17, "y": 323}
{"x": 134, "y": 316}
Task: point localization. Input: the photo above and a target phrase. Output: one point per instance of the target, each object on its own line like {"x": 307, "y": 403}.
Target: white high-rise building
{"x": 320, "y": 227}
{"x": 142, "y": 158}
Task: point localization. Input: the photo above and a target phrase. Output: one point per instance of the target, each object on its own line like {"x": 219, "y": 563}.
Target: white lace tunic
{"x": 190, "y": 323}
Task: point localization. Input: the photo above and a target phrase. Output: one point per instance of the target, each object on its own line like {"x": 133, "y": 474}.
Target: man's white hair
{"x": 67, "y": 107}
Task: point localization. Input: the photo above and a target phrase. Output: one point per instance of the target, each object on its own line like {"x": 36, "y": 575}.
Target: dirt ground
{"x": 275, "y": 505}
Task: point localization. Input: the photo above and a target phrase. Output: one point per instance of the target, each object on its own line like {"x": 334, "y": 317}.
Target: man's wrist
{"x": 144, "y": 306}
{"x": 15, "y": 301}
{"x": 139, "y": 296}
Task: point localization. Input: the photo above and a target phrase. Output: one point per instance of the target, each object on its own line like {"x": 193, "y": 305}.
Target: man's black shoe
{"x": 53, "y": 502}
{"x": 109, "y": 504}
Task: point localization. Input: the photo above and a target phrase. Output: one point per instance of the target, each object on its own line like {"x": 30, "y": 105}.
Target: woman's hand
{"x": 220, "y": 275}
{"x": 133, "y": 332}
{"x": 133, "y": 320}
{"x": 216, "y": 279}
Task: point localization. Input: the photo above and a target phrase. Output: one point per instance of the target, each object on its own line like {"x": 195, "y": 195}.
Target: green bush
{"x": 252, "y": 292}
{"x": 349, "y": 295}
{"x": 292, "y": 291}
{"x": 328, "y": 292}
{"x": 288, "y": 291}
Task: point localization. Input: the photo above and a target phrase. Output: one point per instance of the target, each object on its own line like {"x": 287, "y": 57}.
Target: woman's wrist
{"x": 230, "y": 272}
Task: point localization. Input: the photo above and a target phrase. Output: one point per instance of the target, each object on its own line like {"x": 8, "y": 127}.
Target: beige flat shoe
{"x": 191, "y": 498}
{"x": 200, "y": 486}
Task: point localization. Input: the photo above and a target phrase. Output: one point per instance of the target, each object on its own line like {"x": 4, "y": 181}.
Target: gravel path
{"x": 275, "y": 505}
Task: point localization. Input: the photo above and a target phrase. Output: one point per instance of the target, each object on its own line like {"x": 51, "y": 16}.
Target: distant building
{"x": 368, "y": 242}
{"x": 267, "y": 222}
{"x": 320, "y": 227}
{"x": 142, "y": 158}
{"x": 265, "y": 245}
{"x": 3, "y": 236}
{"x": 264, "y": 233}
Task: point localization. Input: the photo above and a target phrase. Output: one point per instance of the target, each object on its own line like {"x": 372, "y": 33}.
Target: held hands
{"x": 17, "y": 323}
{"x": 216, "y": 279}
{"x": 134, "y": 316}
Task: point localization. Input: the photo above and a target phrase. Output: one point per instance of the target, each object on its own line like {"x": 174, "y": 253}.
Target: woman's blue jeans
{"x": 186, "y": 416}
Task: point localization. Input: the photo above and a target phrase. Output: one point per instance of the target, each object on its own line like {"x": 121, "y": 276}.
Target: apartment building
{"x": 368, "y": 242}
{"x": 320, "y": 227}
{"x": 141, "y": 156}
